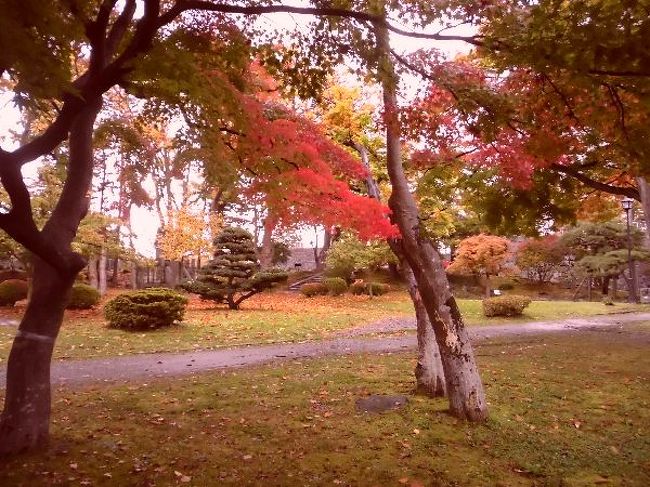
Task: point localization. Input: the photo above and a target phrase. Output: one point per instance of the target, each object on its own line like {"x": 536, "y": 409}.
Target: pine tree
{"x": 233, "y": 275}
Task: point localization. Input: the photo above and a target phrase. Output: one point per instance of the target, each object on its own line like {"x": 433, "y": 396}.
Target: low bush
{"x": 145, "y": 310}
{"x": 314, "y": 289}
{"x": 83, "y": 296}
{"x": 357, "y": 288}
{"x": 377, "y": 288}
{"x": 370, "y": 288}
{"x": 13, "y": 290}
{"x": 507, "y": 286}
{"x": 335, "y": 286}
{"x": 505, "y": 305}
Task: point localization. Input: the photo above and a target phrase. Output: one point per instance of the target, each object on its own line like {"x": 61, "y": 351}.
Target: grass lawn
{"x": 566, "y": 410}
{"x": 267, "y": 318}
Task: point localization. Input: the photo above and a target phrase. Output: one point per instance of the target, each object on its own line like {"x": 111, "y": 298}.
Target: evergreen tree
{"x": 233, "y": 275}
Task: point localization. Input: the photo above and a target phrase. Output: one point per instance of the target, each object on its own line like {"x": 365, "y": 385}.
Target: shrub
{"x": 145, "y": 310}
{"x": 373, "y": 288}
{"x": 314, "y": 289}
{"x": 358, "y": 287}
{"x": 335, "y": 286}
{"x": 377, "y": 288}
{"x": 505, "y": 305}
{"x": 12, "y": 290}
{"x": 83, "y": 296}
{"x": 507, "y": 286}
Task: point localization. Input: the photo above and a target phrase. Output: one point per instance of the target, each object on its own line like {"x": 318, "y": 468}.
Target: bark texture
{"x": 102, "y": 272}
{"x": 266, "y": 252}
{"x": 644, "y": 193}
{"x": 429, "y": 375}
{"x": 429, "y": 372}
{"x": 24, "y": 423}
{"x": 463, "y": 382}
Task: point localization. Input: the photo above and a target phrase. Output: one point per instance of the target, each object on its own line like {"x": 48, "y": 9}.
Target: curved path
{"x": 148, "y": 366}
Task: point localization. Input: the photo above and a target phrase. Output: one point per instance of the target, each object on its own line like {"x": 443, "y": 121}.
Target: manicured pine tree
{"x": 233, "y": 275}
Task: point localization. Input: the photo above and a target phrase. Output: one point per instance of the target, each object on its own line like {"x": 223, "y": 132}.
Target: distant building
{"x": 301, "y": 259}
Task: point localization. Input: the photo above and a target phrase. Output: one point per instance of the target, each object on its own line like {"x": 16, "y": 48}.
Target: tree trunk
{"x": 170, "y": 273}
{"x": 604, "y": 290}
{"x": 115, "y": 271}
{"x": 644, "y": 193}
{"x": 102, "y": 272}
{"x": 92, "y": 272}
{"x": 429, "y": 375}
{"x": 24, "y": 423}
{"x": 134, "y": 275}
{"x": 487, "y": 285}
{"x": 463, "y": 382}
{"x": 266, "y": 252}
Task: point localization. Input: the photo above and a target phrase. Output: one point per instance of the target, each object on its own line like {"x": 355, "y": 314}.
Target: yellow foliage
{"x": 187, "y": 232}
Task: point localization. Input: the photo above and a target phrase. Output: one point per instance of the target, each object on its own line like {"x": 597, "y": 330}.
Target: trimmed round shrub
{"x": 335, "y": 286}
{"x": 377, "y": 288}
{"x": 13, "y": 290}
{"x": 505, "y": 305}
{"x": 370, "y": 288}
{"x": 148, "y": 309}
{"x": 358, "y": 288}
{"x": 83, "y": 296}
{"x": 313, "y": 289}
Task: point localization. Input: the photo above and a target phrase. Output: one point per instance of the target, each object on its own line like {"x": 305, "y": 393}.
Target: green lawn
{"x": 271, "y": 318}
{"x": 566, "y": 410}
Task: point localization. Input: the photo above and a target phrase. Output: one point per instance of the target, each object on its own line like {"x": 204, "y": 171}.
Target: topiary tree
{"x": 234, "y": 274}
{"x": 600, "y": 250}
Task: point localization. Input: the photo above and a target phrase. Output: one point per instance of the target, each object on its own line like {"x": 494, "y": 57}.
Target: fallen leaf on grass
{"x": 181, "y": 477}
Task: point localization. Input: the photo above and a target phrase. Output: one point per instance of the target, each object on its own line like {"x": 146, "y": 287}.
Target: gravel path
{"x": 147, "y": 366}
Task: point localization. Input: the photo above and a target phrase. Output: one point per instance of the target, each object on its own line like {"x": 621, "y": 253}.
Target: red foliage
{"x": 303, "y": 176}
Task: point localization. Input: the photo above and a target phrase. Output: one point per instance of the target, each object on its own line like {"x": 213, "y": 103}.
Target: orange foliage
{"x": 481, "y": 255}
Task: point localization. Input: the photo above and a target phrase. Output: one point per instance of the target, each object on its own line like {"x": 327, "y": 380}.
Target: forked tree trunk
{"x": 429, "y": 375}
{"x": 24, "y": 424}
{"x": 463, "y": 382}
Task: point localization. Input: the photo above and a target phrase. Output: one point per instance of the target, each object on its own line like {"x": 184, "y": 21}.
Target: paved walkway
{"x": 148, "y": 366}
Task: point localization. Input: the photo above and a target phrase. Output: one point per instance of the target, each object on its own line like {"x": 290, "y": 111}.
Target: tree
{"x": 349, "y": 255}
{"x": 350, "y": 122}
{"x": 600, "y": 249}
{"x": 63, "y": 58}
{"x": 463, "y": 383}
{"x": 540, "y": 257}
{"x": 233, "y": 276}
{"x": 483, "y": 256}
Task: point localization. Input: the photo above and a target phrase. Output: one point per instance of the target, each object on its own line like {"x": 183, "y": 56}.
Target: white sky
{"x": 145, "y": 223}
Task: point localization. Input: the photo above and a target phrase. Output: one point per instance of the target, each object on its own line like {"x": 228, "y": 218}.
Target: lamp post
{"x": 632, "y": 293}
